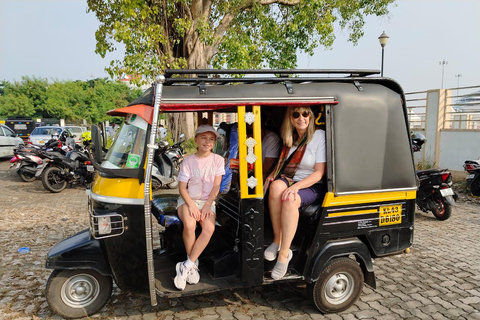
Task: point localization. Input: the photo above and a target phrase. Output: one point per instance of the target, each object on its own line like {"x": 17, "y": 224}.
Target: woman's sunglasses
{"x": 304, "y": 114}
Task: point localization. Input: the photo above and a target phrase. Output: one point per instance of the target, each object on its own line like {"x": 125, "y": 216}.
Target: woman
{"x": 295, "y": 182}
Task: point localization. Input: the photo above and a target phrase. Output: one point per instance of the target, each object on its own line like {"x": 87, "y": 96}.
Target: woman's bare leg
{"x": 275, "y": 205}
{"x": 289, "y": 221}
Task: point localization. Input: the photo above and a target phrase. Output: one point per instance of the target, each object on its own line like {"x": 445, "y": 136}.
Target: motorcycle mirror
{"x": 182, "y": 137}
{"x": 96, "y": 144}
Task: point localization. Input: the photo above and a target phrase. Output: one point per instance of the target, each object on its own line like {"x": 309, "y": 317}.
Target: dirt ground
{"x": 32, "y": 217}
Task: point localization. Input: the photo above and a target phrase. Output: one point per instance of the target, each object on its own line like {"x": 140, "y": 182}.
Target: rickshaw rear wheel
{"x": 338, "y": 286}
{"x": 77, "y": 293}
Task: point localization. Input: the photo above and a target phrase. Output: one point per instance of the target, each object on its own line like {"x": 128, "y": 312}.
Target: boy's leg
{"x": 208, "y": 227}
{"x": 189, "y": 225}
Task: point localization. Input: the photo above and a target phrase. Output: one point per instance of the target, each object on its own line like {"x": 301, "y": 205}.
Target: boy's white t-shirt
{"x": 314, "y": 153}
{"x": 202, "y": 171}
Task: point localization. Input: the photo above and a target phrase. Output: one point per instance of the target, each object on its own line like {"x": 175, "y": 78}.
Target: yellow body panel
{"x": 242, "y": 153}
{"x": 332, "y": 201}
{"x": 118, "y": 187}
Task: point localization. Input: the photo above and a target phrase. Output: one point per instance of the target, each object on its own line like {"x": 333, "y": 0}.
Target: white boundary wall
{"x": 445, "y": 148}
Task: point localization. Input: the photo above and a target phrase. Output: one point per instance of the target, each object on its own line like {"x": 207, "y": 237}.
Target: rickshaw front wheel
{"x": 338, "y": 286}
{"x": 77, "y": 293}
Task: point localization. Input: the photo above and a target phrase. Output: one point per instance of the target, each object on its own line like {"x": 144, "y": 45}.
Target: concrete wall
{"x": 445, "y": 148}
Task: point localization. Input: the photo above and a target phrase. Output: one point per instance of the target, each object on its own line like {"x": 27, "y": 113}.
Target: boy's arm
{"x": 214, "y": 193}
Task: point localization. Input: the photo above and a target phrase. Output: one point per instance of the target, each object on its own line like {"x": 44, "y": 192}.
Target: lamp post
{"x": 458, "y": 76}
{"x": 443, "y": 63}
{"x": 383, "y": 42}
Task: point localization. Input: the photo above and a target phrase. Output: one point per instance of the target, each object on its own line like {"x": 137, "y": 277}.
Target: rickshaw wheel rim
{"x": 80, "y": 291}
{"x": 339, "y": 288}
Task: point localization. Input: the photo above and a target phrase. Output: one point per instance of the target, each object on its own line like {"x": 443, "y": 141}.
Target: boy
{"x": 199, "y": 183}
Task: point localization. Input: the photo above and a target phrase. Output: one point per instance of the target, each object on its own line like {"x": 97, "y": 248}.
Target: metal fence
{"x": 460, "y": 109}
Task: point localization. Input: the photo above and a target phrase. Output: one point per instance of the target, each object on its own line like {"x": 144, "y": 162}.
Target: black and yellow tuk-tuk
{"x": 135, "y": 238}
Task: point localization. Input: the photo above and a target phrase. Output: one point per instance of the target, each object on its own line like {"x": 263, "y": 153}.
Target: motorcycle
{"x": 74, "y": 168}
{"x": 473, "y": 178}
{"x": 29, "y": 162}
{"x": 435, "y": 191}
{"x": 166, "y": 164}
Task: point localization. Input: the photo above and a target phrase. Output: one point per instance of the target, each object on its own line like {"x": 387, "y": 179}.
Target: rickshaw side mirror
{"x": 96, "y": 144}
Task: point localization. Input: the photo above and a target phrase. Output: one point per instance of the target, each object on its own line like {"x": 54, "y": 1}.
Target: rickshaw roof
{"x": 207, "y": 92}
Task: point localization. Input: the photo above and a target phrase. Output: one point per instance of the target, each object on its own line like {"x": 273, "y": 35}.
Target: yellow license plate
{"x": 390, "y": 215}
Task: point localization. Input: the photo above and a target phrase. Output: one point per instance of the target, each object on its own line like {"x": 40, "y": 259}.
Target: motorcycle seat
{"x": 429, "y": 171}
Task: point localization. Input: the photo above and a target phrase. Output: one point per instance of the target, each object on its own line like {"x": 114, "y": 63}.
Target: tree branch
{"x": 284, "y": 2}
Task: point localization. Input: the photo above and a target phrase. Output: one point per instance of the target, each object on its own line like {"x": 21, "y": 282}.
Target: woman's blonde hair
{"x": 288, "y": 131}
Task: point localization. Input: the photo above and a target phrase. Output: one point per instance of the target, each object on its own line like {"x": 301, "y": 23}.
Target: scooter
{"x": 435, "y": 191}
{"x": 473, "y": 178}
{"x": 166, "y": 164}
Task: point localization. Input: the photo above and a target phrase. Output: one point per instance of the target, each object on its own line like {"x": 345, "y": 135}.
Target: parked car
{"x": 40, "y": 135}
{"x": 76, "y": 132}
{"x": 9, "y": 140}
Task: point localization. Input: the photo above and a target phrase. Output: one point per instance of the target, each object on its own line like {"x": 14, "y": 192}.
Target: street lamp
{"x": 442, "y": 63}
{"x": 383, "y": 42}
{"x": 458, "y": 76}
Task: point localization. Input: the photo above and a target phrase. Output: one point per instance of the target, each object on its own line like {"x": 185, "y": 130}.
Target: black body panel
{"x": 80, "y": 251}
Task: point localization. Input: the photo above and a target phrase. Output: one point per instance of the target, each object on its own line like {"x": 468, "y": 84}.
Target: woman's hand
{"x": 289, "y": 192}
{"x": 267, "y": 182}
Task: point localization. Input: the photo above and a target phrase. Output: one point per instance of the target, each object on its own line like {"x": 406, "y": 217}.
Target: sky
{"x": 55, "y": 39}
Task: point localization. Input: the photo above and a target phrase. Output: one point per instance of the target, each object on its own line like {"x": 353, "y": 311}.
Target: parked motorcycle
{"x": 435, "y": 191}
{"x": 74, "y": 168}
{"x": 473, "y": 178}
{"x": 166, "y": 164}
{"x": 29, "y": 162}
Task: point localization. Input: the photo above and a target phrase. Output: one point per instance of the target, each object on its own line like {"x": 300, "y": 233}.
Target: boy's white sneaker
{"x": 193, "y": 276}
{"x": 180, "y": 280}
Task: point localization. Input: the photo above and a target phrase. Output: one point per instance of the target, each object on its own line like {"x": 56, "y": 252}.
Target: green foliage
{"x": 189, "y": 146}
{"x": 425, "y": 165}
{"x": 225, "y": 33}
{"x": 69, "y": 100}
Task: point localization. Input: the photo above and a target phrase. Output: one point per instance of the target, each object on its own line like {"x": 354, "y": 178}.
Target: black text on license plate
{"x": 390, "y": 215}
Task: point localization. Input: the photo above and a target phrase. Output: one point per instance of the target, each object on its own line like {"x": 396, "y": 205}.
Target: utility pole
{"x": 443, "y": 63}
{"x": 458, "y": 76}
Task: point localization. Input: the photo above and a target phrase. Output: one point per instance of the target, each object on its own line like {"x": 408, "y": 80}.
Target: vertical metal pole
{"x": 146, "y": 193}
{"x": 383, "y": 50}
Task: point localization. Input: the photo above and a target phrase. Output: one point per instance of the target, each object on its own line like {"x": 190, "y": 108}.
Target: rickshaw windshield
{"x": 128, "y": 147}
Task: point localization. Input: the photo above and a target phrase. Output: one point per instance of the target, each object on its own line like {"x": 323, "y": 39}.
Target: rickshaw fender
{"x": 79, "y": 251}
{"x": 344, "y": 248}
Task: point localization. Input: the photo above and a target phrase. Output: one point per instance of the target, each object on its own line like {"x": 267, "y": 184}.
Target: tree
{"x": 69, "y": 100}
{"x": 195, "y": 34}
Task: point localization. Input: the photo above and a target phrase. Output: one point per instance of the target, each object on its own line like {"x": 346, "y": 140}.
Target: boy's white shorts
{"x": 199, "y": 203}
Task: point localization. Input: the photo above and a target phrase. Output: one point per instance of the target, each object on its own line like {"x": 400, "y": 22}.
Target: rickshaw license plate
{"x": 390, "y": 215}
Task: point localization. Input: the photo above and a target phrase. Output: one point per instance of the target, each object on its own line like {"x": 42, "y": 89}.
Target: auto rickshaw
{"x": 135, "y": 238}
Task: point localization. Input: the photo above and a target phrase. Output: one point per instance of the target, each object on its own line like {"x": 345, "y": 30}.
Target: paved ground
{"x": 438, "y": 279}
